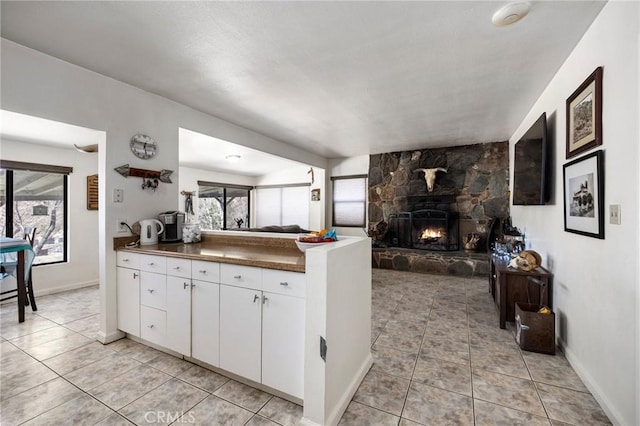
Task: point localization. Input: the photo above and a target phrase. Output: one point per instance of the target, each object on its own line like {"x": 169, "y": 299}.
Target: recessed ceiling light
{"x": 234, "y": 158}
{"x": 510, "y": 13}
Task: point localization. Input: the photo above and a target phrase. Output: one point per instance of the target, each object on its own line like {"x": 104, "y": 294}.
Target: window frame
{"x": 333, "y": 201}
{"x": 10, "y": 167}
{"x": 224, "y": 187}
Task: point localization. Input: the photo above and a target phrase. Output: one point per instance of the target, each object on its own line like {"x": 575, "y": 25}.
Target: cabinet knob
{"x": 203, "y": 271}
{"x": 284, "y": 284}
{"x": 125, "y": 260}
{"x": 150, "y": 326}
{"x": 151, "y": 264}
{"x": 177, "y": 268}
{"x": 150, "y": 290}
{"x": 237, "y": 277}
{"x": 255, "y": 297}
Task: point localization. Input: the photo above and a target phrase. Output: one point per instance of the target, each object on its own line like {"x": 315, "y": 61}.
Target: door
{"x": 240, "y": 312}
{"x": 205, "y": 322}
{"x": 128, "y": 295}
{"x": 283, "y": 343}
{"x": 179, "y": 314}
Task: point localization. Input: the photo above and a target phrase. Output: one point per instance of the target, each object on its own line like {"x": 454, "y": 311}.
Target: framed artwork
{"x": 584, "y": 195}
{"x": 92, "y": 192}
{"x": 315, "y": 194}
{"x": 584, "y": 115}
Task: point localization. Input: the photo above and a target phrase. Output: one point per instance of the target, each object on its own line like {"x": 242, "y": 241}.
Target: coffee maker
{"x": 173, "y": 222}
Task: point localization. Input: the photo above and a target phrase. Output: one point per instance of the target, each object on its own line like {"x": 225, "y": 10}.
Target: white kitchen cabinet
{"x": 128, "y": 296}
{"x": 153, "y": 290}
{"x": 153, "y": 325}
{"x": 283, "y": 343}
{"x": 178, "y": 308}
{"x": 240, "y": 331}
{"x": 205, "y": 322}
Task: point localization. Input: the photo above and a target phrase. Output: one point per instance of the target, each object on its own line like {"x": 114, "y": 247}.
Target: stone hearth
{"x": 461, "y": 263}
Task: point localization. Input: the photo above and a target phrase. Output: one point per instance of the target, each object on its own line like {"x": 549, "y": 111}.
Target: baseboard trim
{"x": 106, "y": 338}
{"x": 334, "y": 417}
{"x": 591, "y": 384}
{"x": 60, "y": 289}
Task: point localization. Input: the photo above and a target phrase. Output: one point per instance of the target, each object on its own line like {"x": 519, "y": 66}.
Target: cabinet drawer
{"x": 284, "y": 282}
{"x": 178, "y": 267}
{"x": 127, "y": 259}
{"x": 153, "y": 325}
{"x": 205, "y": 271}
{"x": 153, "y": 290}
{"x": 241, "y": 276}
{"x": 153, "y": 263}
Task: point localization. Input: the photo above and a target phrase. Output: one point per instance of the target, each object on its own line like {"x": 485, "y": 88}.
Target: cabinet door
{"x": 179, "y": 315}
{"x": 283, "y": 343}
{"x": 205, "y": 322}
{"x": 153, "y": 325}
{"x": 240, "y": 318}
{"x": 128, "y": 296}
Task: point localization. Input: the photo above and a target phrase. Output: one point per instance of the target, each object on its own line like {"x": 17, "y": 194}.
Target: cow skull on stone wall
{"x": 430, "y": 176}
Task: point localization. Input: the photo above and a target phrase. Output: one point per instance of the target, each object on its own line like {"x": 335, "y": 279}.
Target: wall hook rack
{"x": 150, "y": 178}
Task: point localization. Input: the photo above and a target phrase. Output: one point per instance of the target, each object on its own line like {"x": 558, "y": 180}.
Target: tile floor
{"x": 439, "y": 358}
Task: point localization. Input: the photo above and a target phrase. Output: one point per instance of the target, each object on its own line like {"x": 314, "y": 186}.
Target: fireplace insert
{"x": 427, "y": 229}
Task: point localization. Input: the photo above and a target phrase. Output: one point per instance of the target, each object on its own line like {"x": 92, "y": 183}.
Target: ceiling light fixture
{"x": 510, "y": 13}
{"x": 234, "y": 158}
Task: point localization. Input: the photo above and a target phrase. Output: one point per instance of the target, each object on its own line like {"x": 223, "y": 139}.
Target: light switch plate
{"x": 118, "y": 195}
{"x": 614, "y": 214}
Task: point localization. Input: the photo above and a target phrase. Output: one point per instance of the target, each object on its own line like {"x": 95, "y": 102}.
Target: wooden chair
{"x": 29, "y": 235}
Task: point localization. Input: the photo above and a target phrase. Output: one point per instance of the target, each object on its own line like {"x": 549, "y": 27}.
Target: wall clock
{"x": 143, "y": 146}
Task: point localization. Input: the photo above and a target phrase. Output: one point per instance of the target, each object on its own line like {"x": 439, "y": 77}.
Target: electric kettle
{"x": 149, "y": 231}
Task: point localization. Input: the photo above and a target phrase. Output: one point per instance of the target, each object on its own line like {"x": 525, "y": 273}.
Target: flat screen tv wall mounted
{"x": 531, "y": 169}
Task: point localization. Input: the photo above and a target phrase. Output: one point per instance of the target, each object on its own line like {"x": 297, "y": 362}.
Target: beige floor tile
{"x": 88, "y": 326}
{"x": 82, "y": 410}
{"x": 512, "y": 392}
{"x": 283, "y": 412}
{"x": 488, "y": 414}
{"x": 41, "y": 337}
{"x": 442, "y": 374}
{"x": 258, "y": 420}
{"x": 114, "y": 420}
{"x": 203, "y": 378}
{"x": 58, "y": 346}
{"x": 165, "y": 404}
{"x": 242, "y": 395}
{"x": 127, "y": 387}
{"x": 358, "y": 415}
{"x": 571, "y": 406}
{"x": 99, "y": 372}
{"x": 23, "y": 378}
{"x": 553, "y": 370}
{"x": 214, "y": 411}
{"x": 432, "y": 406}
{"x": 169, "y": 364}
{"x": 382, "y": 391}
{"x": 135, "y": 350}
{"x": 393, "y": 361}
{"x": 78, "y": 358}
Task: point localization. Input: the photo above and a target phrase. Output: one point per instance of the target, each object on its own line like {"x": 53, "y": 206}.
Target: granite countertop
{"x": 271, "y": 253}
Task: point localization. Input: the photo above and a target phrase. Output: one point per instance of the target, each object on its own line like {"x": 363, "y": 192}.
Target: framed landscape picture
{"x": 584, "y": 115}
{"x": 584, "y": 195}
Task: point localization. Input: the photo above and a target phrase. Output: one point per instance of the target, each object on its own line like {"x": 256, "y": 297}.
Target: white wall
{"x": 596, "y": 284}
{"x": 82, "y": 224}
{"x": 345, "y": 167}
{"x": 42, "y": 86}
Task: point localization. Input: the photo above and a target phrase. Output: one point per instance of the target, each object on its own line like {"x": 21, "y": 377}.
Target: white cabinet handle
{"x": 237, "y": 277}
{"x": 264, "y": 299}
{"x": 135, "y": 275}
{"x": 185, "y": 285}
{"x": 150, "y": 326}
{"x": 255, "y": 297}
{"x": 284, "y": 284}
{"x": 150, "y": 290}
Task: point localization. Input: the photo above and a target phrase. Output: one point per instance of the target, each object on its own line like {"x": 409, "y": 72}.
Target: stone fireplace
{"x": 419, "y": 230}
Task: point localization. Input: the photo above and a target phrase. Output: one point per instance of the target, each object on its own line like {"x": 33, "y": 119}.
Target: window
{"x": 223, "y": 206}
{"x": 283, "y": 205}
{"x": 349, "y": 200}
{"x": 34, "y": 197}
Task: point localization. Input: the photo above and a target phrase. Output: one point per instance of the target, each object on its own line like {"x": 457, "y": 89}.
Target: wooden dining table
{"x": 24, "y": 254}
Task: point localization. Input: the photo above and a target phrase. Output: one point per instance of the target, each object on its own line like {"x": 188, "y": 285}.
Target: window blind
{"x": 349, "y": 201}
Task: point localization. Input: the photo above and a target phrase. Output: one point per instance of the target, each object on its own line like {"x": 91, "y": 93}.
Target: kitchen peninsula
{"x": 252, "y": 306}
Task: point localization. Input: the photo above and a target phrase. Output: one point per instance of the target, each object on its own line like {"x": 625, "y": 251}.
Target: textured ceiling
{"x": 334, "y": 78}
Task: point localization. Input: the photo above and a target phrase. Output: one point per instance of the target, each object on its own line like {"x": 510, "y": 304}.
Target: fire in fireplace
{"x": 427, "y": 229}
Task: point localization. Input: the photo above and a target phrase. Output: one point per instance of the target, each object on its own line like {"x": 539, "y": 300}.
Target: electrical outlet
{"x": 122, "y": 228}
{"x": 614, "y": 214}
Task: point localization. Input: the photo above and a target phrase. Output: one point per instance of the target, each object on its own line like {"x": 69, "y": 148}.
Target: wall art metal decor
{"x": 584, "y": 115}
{"x": 584, "y": 195}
